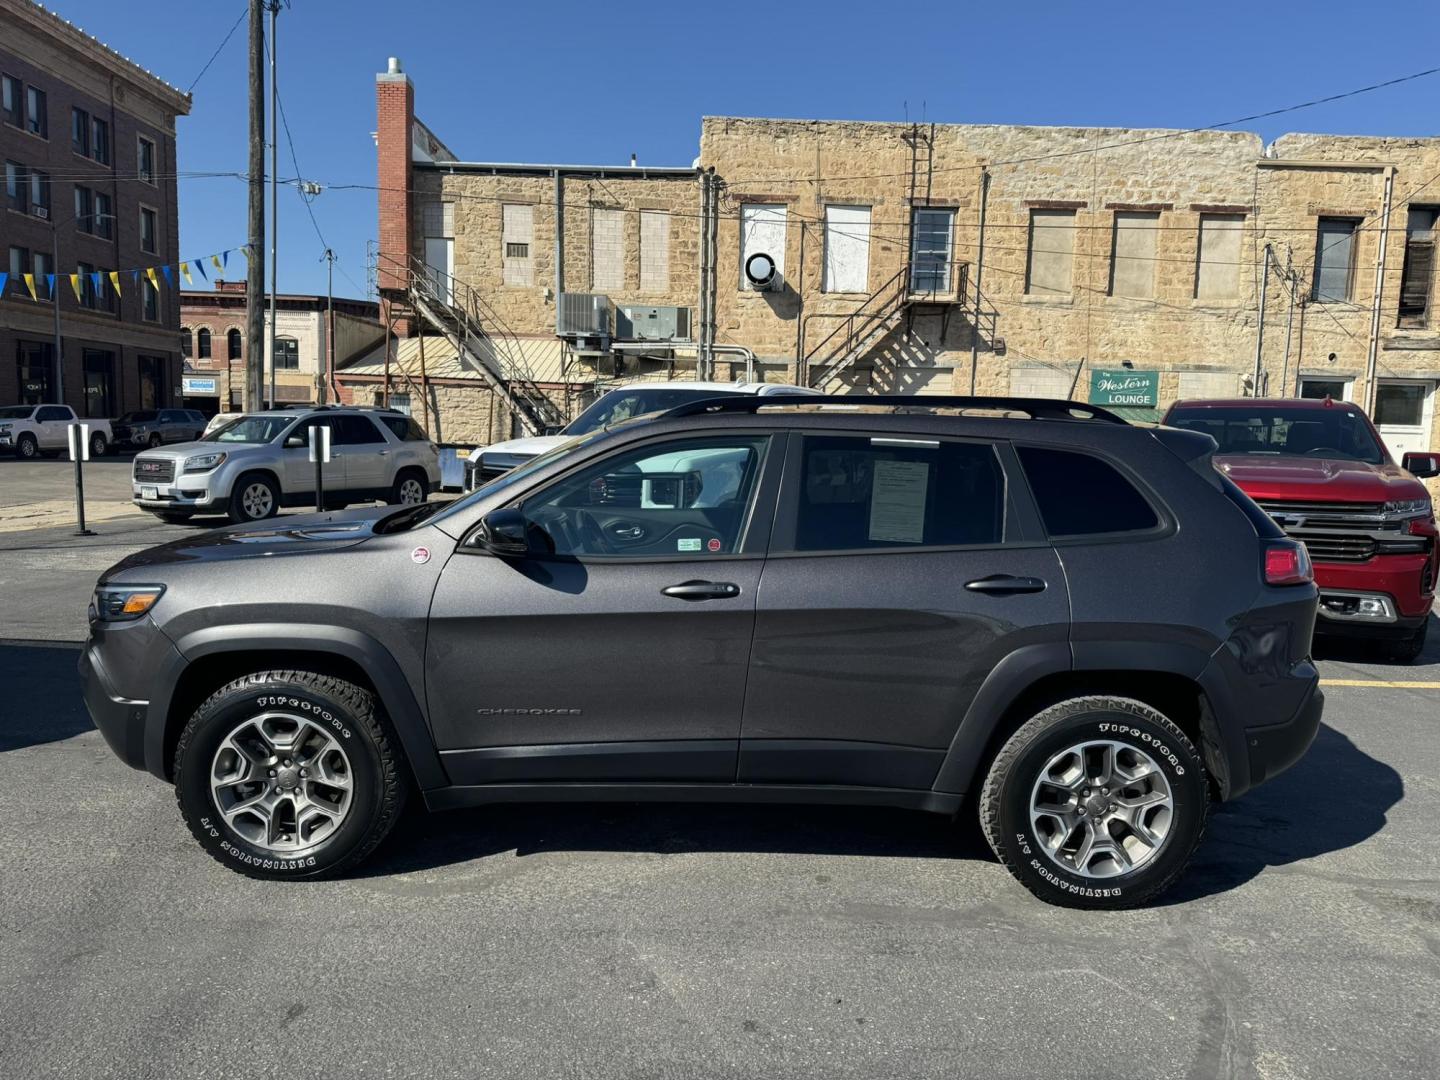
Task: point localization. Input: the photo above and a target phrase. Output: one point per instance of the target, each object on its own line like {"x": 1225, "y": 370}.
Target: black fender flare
{"x": 394, "y": 691}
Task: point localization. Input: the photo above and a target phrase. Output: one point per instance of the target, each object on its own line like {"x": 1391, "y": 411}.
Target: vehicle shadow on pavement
{"x": 40, "y": 701}
{"x": 1294, "y": 817}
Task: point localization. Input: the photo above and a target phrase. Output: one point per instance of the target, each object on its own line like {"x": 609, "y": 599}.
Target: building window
{"x": 1217, "y": 266}
{"x": 87, "y": 287}
{"x": 147, "y": 230}
{"x": 1334, "y": 259}
{"x": 37, "y": 119}
{"x": 517, "y": 228}
{"x": 149, "y": 301}
{"x": 145, "y": 160}
{"x": 104, "y": 216}
{"x": 762, "y": 232}
{"x": 39, "y": 193}
{"x": 1051, "y": 262}
{"x": 187, "y": 346}
{"x": 931, "y": 241}
{"x": 41, "y": 266}
{"x": 202, "y": 344}
{"x": 84, "y": 209}
{"x": 846, "y": 267}
{"x": 99, "y": 382}
{"x": 233, "y": 345}
{"x": 1418, "y": 277}
{"x": 153, "y": 384}
{"x": 10, "y": 95}
{"x": 607, "y": 250}
{"x": 80, "y": 132}
{"x": 1132, "y": 263}
{"x": 1335, "y": 389}
{"x": 100, "y": 140}
{"x": 654, "y": 251}
{"x": 17, "y": 186}
{"x": 34, "y": 362}
{"x": 287, "y": 354}
{"x": 19, "y": 264}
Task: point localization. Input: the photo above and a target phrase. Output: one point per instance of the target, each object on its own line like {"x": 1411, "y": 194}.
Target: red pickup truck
{"x": 1321, "y": 471}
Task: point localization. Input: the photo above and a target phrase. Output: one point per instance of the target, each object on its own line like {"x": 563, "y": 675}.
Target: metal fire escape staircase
{"x": 482, "y": 341}
{"x": 885, "y": 310}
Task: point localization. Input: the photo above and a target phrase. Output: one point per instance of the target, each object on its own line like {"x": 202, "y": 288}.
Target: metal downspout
{"x": 1373, "y": 352}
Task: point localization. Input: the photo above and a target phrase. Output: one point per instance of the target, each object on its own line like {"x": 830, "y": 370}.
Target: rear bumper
{"x": 1275, "y": 747}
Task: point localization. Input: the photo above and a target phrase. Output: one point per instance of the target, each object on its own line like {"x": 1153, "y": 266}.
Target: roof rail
{"x": 1037, "y": 408}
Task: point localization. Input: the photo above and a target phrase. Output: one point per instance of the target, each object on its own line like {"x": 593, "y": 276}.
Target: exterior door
{"x": 365, "y": 451}
{"x": 440, "y": 264}
{"x": 892, "y": 588}
{"x": 621, "y": 654}
{"x": 1404, "y": 414}
{"x": 300, "y": 470}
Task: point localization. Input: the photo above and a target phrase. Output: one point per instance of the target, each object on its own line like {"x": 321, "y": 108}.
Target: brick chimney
{"x": 395, "y": 116}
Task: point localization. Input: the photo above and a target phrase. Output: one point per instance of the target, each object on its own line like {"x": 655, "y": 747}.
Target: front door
{"x": 894, "y": 585}
{"x": 618, "y": 651}
{"x": 52, "y": 422}
{"x": 1404, "y": 413}
{"x": 299, "y": 478}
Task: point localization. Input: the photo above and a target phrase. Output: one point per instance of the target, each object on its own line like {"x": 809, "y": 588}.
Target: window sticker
{"x": 688, "y": 544}
{"x": 897, "y": 501}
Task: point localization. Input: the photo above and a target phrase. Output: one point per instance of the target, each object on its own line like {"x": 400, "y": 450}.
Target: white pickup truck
{"x": 28, "y": 431}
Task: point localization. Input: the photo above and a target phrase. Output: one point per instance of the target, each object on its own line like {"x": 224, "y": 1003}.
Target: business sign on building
{"x": 1123, "y": 387}
{"x": 200, "y": 386}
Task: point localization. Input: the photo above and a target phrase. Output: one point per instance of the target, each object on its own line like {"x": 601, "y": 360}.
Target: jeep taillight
{"x": 1287, "y": 563}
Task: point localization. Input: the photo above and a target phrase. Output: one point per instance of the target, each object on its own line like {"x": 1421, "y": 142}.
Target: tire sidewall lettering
{"x": 288, "y": 701}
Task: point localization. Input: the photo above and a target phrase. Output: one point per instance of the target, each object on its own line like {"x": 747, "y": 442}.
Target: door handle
{"x": 702, "y": 590}
{"x": 1004, "y": 584}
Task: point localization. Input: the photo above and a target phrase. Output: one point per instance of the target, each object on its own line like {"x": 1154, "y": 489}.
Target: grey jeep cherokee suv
{"x": 901, "y": 602}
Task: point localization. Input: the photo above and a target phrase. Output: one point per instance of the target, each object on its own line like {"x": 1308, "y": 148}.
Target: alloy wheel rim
{"x": 27, "y": 448}
{"x": 1101, "y": 809}
{"x": 281, "y": 782}
{"x": 410, "y": 491}
{"x": 256, "y": 500}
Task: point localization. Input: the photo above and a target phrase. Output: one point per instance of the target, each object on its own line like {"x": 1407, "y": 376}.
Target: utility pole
{"x": 1260, "y": 331}
{"x": 274, "y": 6}
{"x": 255, "y": 278}
{"x": 329, "y": 372}
{"x": 59, "y": 356}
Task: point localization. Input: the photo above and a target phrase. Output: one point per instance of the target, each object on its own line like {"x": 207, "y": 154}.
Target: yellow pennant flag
{"x": 115, "y": 281}
{"x": 75, "y": 284}
{"x": 218, "y": 264}
{"x": 30, "y": 284}
{"x": 185, "y": 273}
{"x": 153, "y": 276}
{"x": 246, "y": 252}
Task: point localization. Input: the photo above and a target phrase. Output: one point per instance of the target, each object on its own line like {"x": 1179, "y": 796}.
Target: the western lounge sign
{"x": 1124, "y": 387}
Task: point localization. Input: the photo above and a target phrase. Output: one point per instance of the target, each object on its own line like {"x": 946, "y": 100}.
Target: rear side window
{"x": 353, "y": 430}
{"x": 1081, "y": 495}
{"x": 404, "y": 428}
{"x": 888, "y": 493}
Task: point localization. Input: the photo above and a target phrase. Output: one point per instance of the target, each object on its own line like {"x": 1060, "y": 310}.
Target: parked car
{"x": 1321, "y": 470}
{"x": 152, "y": 427}
{"x": 768, "y": 601}
{"x": 621, "y": 403}
{"x": 260, "y": 462}
{"x": 28, "y": 431}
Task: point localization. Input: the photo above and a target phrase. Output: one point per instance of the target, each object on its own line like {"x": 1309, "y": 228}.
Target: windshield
{"x": 137, "y": 418}
{"x": 622, "y": 404}
{"x": 520, "y": 472}
{"x": 16, "y": 412}
{"x": 250, "y": 429}
{"x": 1276, "y": 430}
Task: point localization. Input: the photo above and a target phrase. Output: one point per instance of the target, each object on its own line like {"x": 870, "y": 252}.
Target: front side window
{"x": 1081, "y": 495}
{"x": 1334, "y": 259}
{"x": 930, "y": 250}
{"x": 863, "y": 492}
{"x": 688, "y": 498}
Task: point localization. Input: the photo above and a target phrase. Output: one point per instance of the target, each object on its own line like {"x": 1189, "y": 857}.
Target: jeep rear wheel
{"x": 286, "y": 774}
{"x": 1096, "y": 802}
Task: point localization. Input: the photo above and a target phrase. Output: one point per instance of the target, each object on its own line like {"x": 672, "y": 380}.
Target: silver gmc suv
{"x": 259, "y": 462}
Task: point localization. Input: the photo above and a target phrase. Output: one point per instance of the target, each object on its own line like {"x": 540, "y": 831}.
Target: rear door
{"x": 901, "y": 571}
{"x": 366, "y": 453}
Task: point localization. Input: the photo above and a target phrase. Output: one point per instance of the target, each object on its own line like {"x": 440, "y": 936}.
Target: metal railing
{"x": 841, "y": 346}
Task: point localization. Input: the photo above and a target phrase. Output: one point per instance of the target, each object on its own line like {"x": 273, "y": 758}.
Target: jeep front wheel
{"x": 1096, "y": 802}
{"x": 289, "y": 774}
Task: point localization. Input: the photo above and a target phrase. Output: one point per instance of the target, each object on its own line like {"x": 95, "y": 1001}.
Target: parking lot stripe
{"x": 1409, "y": 684}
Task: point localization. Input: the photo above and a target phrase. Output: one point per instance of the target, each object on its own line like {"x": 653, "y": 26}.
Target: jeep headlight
{"x": 203, "y": 462}
{"x": 123, "y": 603}
{"x": 1408, "y": 507}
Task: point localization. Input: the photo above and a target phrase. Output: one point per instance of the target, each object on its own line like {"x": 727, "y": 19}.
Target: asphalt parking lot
{"x": 695, "y": 941}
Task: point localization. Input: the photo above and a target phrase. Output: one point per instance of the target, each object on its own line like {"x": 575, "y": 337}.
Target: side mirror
{"x": 506, "y": 533}
{"x": 296, "y": 442}
{"x": 1421, "y": 464}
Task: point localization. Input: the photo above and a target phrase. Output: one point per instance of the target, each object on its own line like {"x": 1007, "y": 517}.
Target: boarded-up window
{"x": 1217, "y": 266}
{"x": 607, "y": 250}
{"x": 930, "y": 240}
{"x": 1132, "y": 267}
{"x": 517, "y": 236}
{"x": 762, "y": 231}
{"x": 654, "y": 251}
{"x": 1334, "y": 258}
{"x": 1418, "y": 276}
{"x": 847, "y": 249}
{"x": 1052, "y": 252}
{"x": 439, "y": 218}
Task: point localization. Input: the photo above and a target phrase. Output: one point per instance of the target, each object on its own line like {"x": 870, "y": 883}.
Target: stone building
{"x": 87, "y": 140}
{"x": 1124, "y": 267}
{"x": 212, "y": 335}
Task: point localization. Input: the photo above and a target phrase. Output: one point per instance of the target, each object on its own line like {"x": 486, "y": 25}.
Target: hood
{"x": 185, "y": 449}
{"x": 1289, "y": 476}
{"x": 529, "y": 447}
{"x": 300, "y": 535}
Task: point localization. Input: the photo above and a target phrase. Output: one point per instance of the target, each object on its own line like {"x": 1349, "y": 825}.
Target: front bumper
{"x": 121, "y": 720}
{"x": 186, "y": 492}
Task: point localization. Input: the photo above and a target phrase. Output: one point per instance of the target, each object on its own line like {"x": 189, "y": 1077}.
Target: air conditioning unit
{"x": 41, "y": 211}
{"x": 652, "y": 323}
{"x": 582, "y": 315}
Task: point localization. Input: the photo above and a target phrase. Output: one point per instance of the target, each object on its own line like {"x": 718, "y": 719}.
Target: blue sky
{"x": 597, "y": 81}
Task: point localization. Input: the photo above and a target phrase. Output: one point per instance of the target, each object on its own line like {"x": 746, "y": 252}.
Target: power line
{"x": 219, "y": 48}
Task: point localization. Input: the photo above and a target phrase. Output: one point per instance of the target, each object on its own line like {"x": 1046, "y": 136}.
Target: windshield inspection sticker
{"x": 420, "y": 554}
{"x": 897, "y": 501}
{"x": 691, "y": 544}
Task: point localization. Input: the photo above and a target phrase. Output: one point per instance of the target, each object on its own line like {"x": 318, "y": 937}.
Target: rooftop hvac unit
{"x": 652, "y": 323}
{"x": 582, "y": 315}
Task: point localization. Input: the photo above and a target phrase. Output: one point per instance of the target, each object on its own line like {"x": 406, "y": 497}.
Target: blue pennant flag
{"x": 199, "y": 264}
{"x": 135, "y": 278}
{"x": 50, "y": 284}
{"x": 4, "y": 278}
{"x": 225, "y": 260}
{"x": 169, "y": 278}
{"x": 95, "y": 280}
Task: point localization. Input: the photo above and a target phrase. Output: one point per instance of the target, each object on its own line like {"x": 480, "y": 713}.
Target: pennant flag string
{"x": 187, "y": 268}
